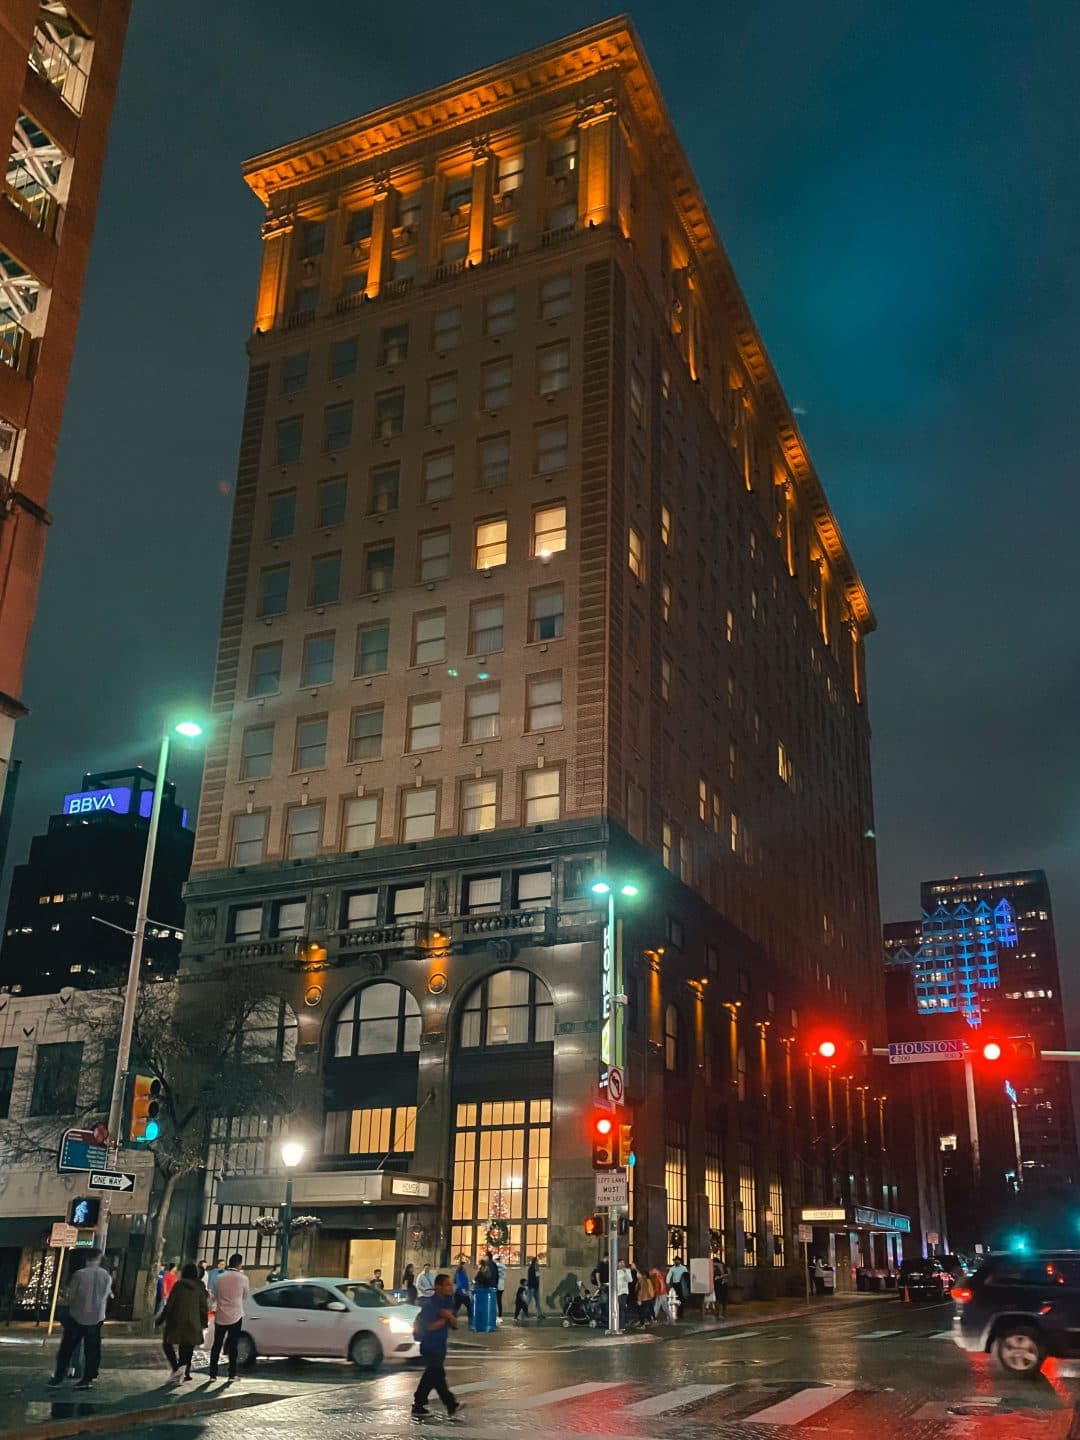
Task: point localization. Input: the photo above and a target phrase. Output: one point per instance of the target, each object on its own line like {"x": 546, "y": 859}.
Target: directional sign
{"x": 612, "y": 1187}
{"x": 111, "y": 1180}
{"x": 914, "y": 1052}
{"x": 615, "y": 1085}
{"x": 63, "y": 1237}
{"x": 79, "y": 1150}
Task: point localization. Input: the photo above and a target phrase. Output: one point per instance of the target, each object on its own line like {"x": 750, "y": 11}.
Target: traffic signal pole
{"x": 618, "y": 1001}
{"x": 973, "y": 1120}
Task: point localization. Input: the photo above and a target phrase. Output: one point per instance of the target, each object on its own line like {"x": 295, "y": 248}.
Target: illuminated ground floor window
{"x": 502, "y": 1152}
{"x": 714, "y": 1189}
{"x": 776, "y": 1205}
{"x": 675, "y": 1182}
{"x": 748, "y": 1199}
{"x": 239, "y": 1145}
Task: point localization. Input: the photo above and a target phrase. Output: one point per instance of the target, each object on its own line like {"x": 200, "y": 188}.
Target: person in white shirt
{"x": 622, "y": 1292}
{"x": 231, "y": 1292}
{"x": 88, "y": 1293}
{"x": 425, "y": 1282}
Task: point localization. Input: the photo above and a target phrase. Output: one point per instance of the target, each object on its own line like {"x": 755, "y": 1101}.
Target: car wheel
{"x": 365, "y": 1352}
{"x": 566, "y": 1324}
{"x": 1019, "y": 1351}
{"x": 245, "y": 1351}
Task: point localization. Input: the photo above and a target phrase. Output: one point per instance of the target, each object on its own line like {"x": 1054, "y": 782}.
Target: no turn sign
{"x": 615, "y": 1088}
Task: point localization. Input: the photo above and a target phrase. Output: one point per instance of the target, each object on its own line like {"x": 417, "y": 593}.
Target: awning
{"x": 323, "y": 1188}
{"x": 855, "y": 1217}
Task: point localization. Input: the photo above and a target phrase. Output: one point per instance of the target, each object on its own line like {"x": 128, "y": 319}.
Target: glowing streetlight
{"x": 292, "y": 1152}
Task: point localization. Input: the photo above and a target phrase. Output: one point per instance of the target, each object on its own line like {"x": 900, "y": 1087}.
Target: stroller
{"x": 586, "y": 1308}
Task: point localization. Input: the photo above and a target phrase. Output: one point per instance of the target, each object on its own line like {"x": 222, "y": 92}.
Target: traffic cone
{"x": 907, "y": 1296}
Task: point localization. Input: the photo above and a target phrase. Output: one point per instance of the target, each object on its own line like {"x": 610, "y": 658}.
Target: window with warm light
{"x": 562, "y": 155}
{"x": 636, "y": 554}
{"x": 482, "y": 714}
{"x": 418, "y": 811}
{"x": 665, "y": 602}
{"x": 479, "y": 805}
{"x": 665, "y": 526}
{"x": 359, "y": 827}
{"x": 544, "y": 703}
{"x": 548, "y": 530}
{"x": 489, "y": 544}
{"x": 510, "y": 173}
{"x": 541, "y": 795}
{"x": 361, "y": 910}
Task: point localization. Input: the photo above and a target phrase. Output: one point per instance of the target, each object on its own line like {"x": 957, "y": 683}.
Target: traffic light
{"x": 827, "y": 1049}
{"x": 626, "y": 1144}
{"x": 595, "y": 1225}
{"x": 838, "y": 1049}
{"x": 603, "y": 1141}
{"x": 622, "y": 1225}
{"x": 1015, "y": 1047}
{"x": 84, "y": 1213}
{"x": 143, "y": 1123}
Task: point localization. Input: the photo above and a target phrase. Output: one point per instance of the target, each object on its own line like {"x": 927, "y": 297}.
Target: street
{"x": 877, "y": 1368}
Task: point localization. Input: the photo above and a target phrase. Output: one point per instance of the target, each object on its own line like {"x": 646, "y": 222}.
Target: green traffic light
{"x": 152, "y": 1131}
{"x": 600, "y": 887}
{"x": 190, "y": 729}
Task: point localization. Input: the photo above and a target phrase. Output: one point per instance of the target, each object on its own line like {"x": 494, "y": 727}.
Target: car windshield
{"x": 366, "y": 1295}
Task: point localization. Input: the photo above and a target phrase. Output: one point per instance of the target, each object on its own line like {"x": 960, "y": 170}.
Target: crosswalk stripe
{"x": 940, "y": 1335}
{"x": 736, "y": 1335}
{"x": 673, "y": 1399}
{"x": 799, "y": 1406}
{"x": 474, "y": 1385}
{"x": 877, "y": 1334}
{"x": 567, "y": 1392}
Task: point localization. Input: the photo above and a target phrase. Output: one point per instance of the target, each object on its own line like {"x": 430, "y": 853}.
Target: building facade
{"x": 71, "y": 910}
{"x": 59, "y": 65}
{"x": 531, "y": 581}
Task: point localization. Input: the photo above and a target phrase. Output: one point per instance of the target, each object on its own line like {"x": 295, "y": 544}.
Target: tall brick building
{"x": 532, "y": 580}
{"x": 59, "y": 65}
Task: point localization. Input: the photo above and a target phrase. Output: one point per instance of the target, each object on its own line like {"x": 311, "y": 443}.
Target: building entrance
{"x": 373, "y": 1252}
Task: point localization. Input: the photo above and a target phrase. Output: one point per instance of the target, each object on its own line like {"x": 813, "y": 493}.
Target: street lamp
{"x": 189, "y": 730}
{"x": 292, "y": 1152}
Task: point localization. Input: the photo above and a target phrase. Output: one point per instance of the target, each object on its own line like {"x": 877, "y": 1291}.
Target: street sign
{"x": 80, "y": 1150}
{"x": 111, "y": 1180}
{"x": 612, "y": 1188}
{"x": 63, "y": 1237}
{"x": 615, "y": 1085}
{"x": 913, "y": 1052}
{"x": 806, "y": 1234}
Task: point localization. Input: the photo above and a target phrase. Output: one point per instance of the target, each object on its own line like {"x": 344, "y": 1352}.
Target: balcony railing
{"x": 377, "y": 937}
{"x": 14, "y": 345}
{"x": 298, "y": 318}
{"x": 62, "y": 71}
{"x": 352, "y": 301}
{"x": 558, "y": 236}
{"x": 498, "y": 923}
{"x": 501, "y": 253}
{"x": 244, "y": 950}
{"x": 395, "y": 288}
{"x": 26, "y": 192}
{"x": 449, "y": 268}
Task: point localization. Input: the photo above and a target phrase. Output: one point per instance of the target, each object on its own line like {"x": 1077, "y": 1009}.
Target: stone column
{"x": 481, "y": 206}
{"x": 382, "y": 238}
{"x": 273, "y": 278}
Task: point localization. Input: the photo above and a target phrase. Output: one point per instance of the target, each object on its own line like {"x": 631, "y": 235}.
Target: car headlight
{"x": 398, "y": 1326}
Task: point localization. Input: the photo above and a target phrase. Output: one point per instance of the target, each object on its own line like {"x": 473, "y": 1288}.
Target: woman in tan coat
{"x": 184, "y": 1320}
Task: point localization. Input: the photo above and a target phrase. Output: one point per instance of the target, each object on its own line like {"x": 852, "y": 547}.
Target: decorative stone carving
{"x": 442, "y": 897}
{"x": 500, "y": 949}
{"x": 205, "y": 926}
{"x": 321, "y": 909}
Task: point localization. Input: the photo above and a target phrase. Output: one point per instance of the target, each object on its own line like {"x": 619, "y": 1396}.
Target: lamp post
{"x": 612, "y": 1048}
{"x": 189, "y": 730}
{"x": 292, "y": 1152}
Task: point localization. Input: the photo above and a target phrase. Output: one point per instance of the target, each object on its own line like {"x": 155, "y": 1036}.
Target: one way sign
{"x": 111, "y": 1180}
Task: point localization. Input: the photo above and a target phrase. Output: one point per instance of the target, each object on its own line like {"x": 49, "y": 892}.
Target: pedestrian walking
{"x": 622, "y": 1292}
{"x": 408, "y": 1284}
{"x": 500, "y": 1284}
{"x": 232, "y": 1292}
{"x": 661, "y": 1308}
{"x": 183, "y": 1322}
{"x": 462, "y": 1288}
{"x": 88, "y": 1294}
{"x": 678, "y": 1279}
{"x": 521, "y": 1301}
{"x": 534, "y": 1286}
{"x": 721, "y": 1277}
{"x": 377, "y": 1280}
{"x": 169, "y": 1279}
{"x": 600, "y": 1276}
{"x": 643, "y": 1294}
{"x": 425, "y": 1283}
{"x": 432, "y": 1329}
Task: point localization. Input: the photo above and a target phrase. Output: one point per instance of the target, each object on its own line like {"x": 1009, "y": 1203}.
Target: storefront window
{"x": 501, "y": 1161}
{"x": 675, "y": 1182}
{"x": 383, "y": 1132}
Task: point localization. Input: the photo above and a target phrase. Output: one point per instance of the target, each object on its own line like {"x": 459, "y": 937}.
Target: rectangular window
{"x": 407, "y": 902}
{"x": 246, "y": 923}
{"x": 561, "y": 217}
{"x": 485, "y": 627}
{"x": 344, "y": 355}
{"x": 482, "y": 714}
{"x": 372, "y": 649}
{"x": 290, "y": 436}
{"x": 675, "y": 1146}
{"x": 318, "y": 667}
{"x": 494, "y": 461}
{"x": 446, "y": 329}
{"x": 702, "y": 800}
{"x": 748, "y": 1197}
{"x": 665, "y": 678}
{"x": 556, "y": 297}
{"x": 56, "y": 1078}
{"x": 410, "y": 210}
{"x": 378, "y": 568}
{"x": 489, "y": 544}
{"x": 438, "y": 475}
{"x": 361, "y": 909}
{"x": 667, "y": 839}
{"x": 331, "y": 501}
{"x": 429, "y": 638}
{"x": 499, "y": 314}
{"x": 325, "y": 579}
{"x": 265, "y": 670}
{"x": 294, "y": 373}
{"x": 312, "y": 239}
{"x": 425, "y": 723}
{"x": 546, "y": 613}
{"x": 435, "y": 555}
{"x": 418, "y": 813}
{"x": 541, "y": 795}
{"x": 733, "y": 833}
{"x": 256, "y": 752}
{"x": 354, "y": 282}
{"x": 665, "y": 602}
{"x": 636, "y": 396}
{"x": 393, "y": 344}
{"x": 358, "y": 225}
{"x": 553, "y": 368}
{"x": 389, "y": 414}
{"x": 532, "y": 889}
{"x": 442, "y": 399}
{"x": 549, "y": 530}
{"x": 282, "y": 514}
{"x": 302, "y": 830}
{"x": 274, "y": 590}
{"x": 384, "y": 490}
{"x": 552, "y": 447}
{"x": 510, "y": 173}
{"x": 483, "y": 893}
{"x": 479, "y": 805}
{"x": 458, "y": 193}
{"x": 665, "y": 525}
{"x": 306, "y": 299}
{"x": 636, "y": 554}
{"x": 544, "y": 710}
{"x": 359, "y": 824}
{"x": 290, "y": 917}
{"x": 310, "y": 743}
{"x": 249, "y": 839}
{"x": 496, "y": 384}
{"x": 337, "y": 426}
{"x": 562, "y": 154}
{"x": 365, "y": 734}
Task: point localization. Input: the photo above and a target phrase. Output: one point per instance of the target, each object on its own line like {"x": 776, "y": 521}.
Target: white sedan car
{"x": 338, "y": 1319}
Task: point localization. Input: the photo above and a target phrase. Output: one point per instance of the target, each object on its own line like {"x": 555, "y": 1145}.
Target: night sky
{"x": 897, "y": 188}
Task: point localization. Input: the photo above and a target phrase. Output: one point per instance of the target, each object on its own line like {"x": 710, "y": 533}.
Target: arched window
{"x": 511, "y": 1007}
{"x": 269, "y": 1031}
{"x": 380, "y": 1019}
{"x": 671, "y": 1038}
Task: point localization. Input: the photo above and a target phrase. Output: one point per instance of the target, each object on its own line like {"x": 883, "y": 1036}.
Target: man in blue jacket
{"x": 434, "y": 1323}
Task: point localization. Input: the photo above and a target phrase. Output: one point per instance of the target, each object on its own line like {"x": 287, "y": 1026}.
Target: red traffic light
{"x": 603, "y": 1124}
{"x": 594, "y": 1225}
{"x": 827, "y": 1049}
{"x": 603, "y": 1140}
{"x": 991, "y": 1050}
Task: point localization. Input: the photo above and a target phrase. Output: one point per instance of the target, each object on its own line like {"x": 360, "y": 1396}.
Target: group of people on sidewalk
{"x": 647, "y": 1295}
{"x": 490, "y": 1275}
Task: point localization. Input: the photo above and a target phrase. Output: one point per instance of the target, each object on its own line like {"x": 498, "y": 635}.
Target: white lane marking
{"x": 567, "y": 1392}
{"x": 473, "y": 1385}
{"x": 799, "y": 1406}
{"x": 738, "y": 1335}
{"x": 673, "y": 1399}
{"x": 877, "y": 1334}
{"x": 940, "y": 1335}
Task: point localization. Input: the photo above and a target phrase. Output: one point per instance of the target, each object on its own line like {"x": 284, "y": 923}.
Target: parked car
{"x": 1021, "y": 1308}
{"x": 925, "y": 1279}
{"x": 959, "y": 1267}
{"x": 327, "y": 1318}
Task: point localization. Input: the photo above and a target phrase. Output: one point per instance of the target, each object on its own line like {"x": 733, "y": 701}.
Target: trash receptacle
{"x": 483, "y": 1310}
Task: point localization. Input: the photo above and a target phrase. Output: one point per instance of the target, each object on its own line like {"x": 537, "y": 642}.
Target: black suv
{"x": 1021, "y": 1308}
{"x": 924, "y": 1279}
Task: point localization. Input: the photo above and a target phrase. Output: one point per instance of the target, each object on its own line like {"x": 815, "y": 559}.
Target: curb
{"x": 129, "y": 1419}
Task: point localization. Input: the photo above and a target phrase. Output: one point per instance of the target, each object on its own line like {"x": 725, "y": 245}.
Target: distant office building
{"x": 72, "y": 905}
{"x": 59, "y": 64}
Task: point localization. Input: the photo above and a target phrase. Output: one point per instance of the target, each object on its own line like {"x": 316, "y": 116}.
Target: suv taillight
{"x": 962, "y": 1293}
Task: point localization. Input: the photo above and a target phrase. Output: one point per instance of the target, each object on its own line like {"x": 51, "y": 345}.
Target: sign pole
{"x": 973, "y": 1120}
{"x": 806, "y": 1269}
{"x": 56, "y": 1290}
{"x": 613, "y": 1265}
